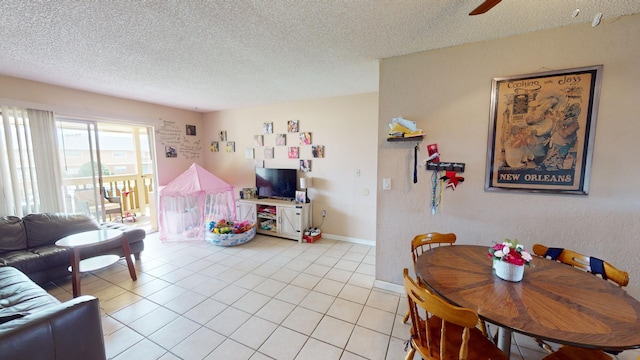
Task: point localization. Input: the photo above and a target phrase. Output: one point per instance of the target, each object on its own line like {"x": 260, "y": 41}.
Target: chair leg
{"x": 406, "y": 317}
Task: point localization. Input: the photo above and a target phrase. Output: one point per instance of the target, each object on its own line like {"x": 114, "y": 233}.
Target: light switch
{"x": 386, "y": 184}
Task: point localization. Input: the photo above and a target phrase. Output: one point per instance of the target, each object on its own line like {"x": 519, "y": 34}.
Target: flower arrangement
{"x": 511, "y": 252}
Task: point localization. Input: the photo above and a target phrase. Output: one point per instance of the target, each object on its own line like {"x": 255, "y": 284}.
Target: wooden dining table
{"x": 554, "y": 301}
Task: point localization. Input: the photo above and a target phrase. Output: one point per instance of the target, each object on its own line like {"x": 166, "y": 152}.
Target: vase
{"x": 509, "y": 272}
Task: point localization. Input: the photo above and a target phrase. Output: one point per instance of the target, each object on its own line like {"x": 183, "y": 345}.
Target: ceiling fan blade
{"x": 484, "y": 7}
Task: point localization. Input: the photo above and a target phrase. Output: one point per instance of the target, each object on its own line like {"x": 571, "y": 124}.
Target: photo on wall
{"x": 191, "y": 130}
{"x": 293, "y": 152}
{"x": 170, "y": 151}
{"x": 231, "y": 146}
{"x": 267, "y": 128}
{"x": 305, "y": 138}
{"x": 292, "y": 126}
{"x": 248, "y": 153}
{"x": 281, "y": 139}
{"x": 258, "y": 140}
{"x": 317, "y": 151}
{"x": 305, "y": 165}
{"x": 223, "y": 135}
{"x": 268, "y": 152}
{"x": 259, "y": 164}
{"x": 215, "y": 146}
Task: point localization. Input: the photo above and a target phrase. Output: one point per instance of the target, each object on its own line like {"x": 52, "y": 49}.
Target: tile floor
{"x": 268, "y": 299}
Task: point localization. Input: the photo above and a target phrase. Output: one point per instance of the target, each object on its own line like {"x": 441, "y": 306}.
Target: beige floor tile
{"x": 318, "y": 350}
{"x": 329, "y": 287}
{"x": 333, "y": 331}
{"x": 270, "y": 287}
{"x": 377, "y": 320}
{"x": 362, "y": 280}
{"x": 284, "y": 275}
{"x": 228, "y": 321}
{"x": 368, "y": 343}
{"x": 292, "y": 294}
{"x": 120, "y": 340}
{"x": 396, "y": 349}
{"x": 110, "y": 325}
{"x": 119, "y": 302}
{"x": 174, "y": 332}
{"x": 254, "y": 332}
{"x": 205, "y": 311}
{"x": 185, "y": 302}
{"x": 317, "y": 270}
{"x": 317, "y": 301}
{"x": 348, "y": 265}
{"x": 134, "y": 311}
{"x": 150, "y": 287}
{"x": 345, "y": 310}
{"x": 230, "y": 294}
{"x": 231, "y": 349}
{"x": 153, "y": 321}
{"x": 383, "y": 300}
{"x": 306, "y": 281}
{"x": 142, "y": 350}
{"x": 251, "y": 302}
{"x": 167, "y": 294}
{"x": 283, "y": 344}
{"x": 354, "y": 293}
{"x": 249, "y": 281}
{"x": 199, "y": 344}
{"x": 275, "y": 311}
{"x": 339, "y": 275}
{"x": 302, "y": 320}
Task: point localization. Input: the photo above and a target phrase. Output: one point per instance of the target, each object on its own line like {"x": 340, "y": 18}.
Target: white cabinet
{"x": 245, "y": 211}
{"x": 276, "y": 217}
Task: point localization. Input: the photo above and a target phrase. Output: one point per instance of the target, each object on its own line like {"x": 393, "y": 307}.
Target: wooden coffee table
{"x": 89, "y": 239}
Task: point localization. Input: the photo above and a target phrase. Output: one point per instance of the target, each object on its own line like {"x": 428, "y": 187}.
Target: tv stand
{"x": 282, "y": 218}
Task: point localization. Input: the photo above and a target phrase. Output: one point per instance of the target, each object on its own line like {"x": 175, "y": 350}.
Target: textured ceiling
{"x": 213, "y": 55}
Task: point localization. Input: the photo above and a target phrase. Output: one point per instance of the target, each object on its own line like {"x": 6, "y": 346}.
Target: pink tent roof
{"x": 195, "y": 180}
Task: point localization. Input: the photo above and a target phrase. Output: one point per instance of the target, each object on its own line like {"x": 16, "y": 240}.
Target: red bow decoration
{"x": 452, "y": 179}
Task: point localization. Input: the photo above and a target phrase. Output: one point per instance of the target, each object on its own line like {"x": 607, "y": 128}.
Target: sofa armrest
{"x": 70, "y": 330}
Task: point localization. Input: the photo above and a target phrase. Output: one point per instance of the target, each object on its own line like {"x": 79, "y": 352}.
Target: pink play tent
{"x": 191, "y": 201}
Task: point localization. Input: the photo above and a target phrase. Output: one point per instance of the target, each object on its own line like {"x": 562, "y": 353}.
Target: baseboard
{"x": 388, "y": 286}
{"x": 349, "y": 239}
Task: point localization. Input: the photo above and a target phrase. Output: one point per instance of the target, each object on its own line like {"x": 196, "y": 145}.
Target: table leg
{"x": 75, "y": 271}
{"x": 504, "y": 340}
{"x": 126, "y": 250}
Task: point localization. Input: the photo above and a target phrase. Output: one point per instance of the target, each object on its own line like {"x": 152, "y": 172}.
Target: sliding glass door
{"x": 107, "y": 170}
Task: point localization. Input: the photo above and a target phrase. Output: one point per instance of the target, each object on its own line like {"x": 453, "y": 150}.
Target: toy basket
{"x": 230, "y": 239}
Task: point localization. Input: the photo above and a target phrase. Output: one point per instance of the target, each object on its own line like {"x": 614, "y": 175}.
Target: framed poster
{"x": 542, "y": 130}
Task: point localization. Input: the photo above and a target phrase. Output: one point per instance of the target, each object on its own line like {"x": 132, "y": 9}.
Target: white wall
{"x": 448, "y": 93}
{"x": 346, "y": 126}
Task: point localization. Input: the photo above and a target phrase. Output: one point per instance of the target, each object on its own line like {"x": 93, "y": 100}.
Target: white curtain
{"x": 43, "y": 133}
{"x": 30, "y": 180}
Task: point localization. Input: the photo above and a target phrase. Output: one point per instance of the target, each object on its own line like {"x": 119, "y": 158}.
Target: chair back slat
{"x": 420, "y": 298}
{"x": 587, "y": 263}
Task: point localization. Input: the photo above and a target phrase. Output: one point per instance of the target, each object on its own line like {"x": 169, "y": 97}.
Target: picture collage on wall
{"x": 296, "y": 144}
{"x": 272, "y": 143}
{"x": 230, "y": 146}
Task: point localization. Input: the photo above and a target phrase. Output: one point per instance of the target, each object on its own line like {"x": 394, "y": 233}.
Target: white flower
{"x": 498, "y": 253}
{"x": 526, "y": 256}
{"x": 519, "y": 247}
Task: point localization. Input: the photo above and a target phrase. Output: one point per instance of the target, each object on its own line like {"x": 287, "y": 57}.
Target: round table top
{"x": 554, "y": 301}
{"x": 89, "y": 238}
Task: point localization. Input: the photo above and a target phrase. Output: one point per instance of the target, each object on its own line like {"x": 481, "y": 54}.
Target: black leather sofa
{"x": 28, "y": 243}
{"x": 35, "y": 325}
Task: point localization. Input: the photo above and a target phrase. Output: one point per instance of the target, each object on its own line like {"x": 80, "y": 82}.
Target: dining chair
{"x": 589, "y": 264}
{"x": 423, "y": 242}
{"x": 440, "y": 330}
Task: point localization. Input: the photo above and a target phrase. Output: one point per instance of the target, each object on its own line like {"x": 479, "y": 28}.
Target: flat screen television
{"x": 276, "y": 183}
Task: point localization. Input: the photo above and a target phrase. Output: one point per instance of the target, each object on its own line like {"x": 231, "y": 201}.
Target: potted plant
{"x": 509, "y": 260}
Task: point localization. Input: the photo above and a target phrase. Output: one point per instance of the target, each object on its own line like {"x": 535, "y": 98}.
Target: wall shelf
{"x": 412, "y": 138}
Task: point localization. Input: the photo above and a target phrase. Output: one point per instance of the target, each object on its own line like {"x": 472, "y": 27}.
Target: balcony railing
{"x": 133, "y": 190}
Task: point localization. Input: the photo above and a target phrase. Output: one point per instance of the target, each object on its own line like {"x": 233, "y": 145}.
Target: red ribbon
{"x": 452, "y": 179}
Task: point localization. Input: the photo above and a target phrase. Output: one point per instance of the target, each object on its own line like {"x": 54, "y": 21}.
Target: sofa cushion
{"x": 46, "y": 229}
{"x": 19, "y": 295}
{"x": 12, "y": 234}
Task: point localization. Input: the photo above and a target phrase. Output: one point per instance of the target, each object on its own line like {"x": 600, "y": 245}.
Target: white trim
{"x": 388, "y": 286}
{"x": 349, "y": 239}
